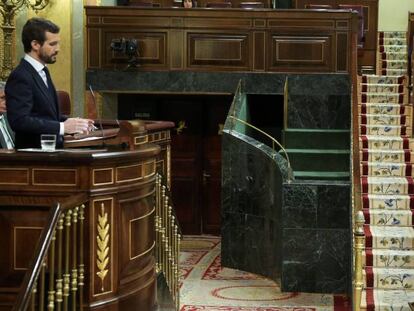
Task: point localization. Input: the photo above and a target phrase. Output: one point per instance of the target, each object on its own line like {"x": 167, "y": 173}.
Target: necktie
{"x": 47, "y": 73}
{"x": 5, "y": 137}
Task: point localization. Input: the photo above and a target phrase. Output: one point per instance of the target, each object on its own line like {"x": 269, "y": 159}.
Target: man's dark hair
{"x": 35, "y": 29}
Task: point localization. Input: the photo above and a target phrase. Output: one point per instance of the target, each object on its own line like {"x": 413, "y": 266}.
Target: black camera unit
{"x": 128, "y": 47}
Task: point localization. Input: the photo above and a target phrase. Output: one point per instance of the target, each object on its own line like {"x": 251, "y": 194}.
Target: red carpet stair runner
{"x": 387, "y": 179}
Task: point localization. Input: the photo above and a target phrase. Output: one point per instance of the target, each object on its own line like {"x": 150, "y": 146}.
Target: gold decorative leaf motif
{"x": 102, "y": 241}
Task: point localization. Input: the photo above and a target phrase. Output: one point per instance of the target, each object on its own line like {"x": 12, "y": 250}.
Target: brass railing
{"x": 56, "y": 277}
{"x": 356, "y": 208}
{"x": 167, "y": 240}
{"x": 359, "y": 239}
{"x": 290, "y": 176}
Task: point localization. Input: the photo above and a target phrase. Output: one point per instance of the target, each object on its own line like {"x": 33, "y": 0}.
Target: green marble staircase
{"x": 321, "y": 154}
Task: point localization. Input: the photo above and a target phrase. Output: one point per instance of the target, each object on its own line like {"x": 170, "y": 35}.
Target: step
{"x": 387, "y": 185}
{"x": 384, "y": 119}
{"x": 381, "y": 108}
{"x": 392, "y": 56}
{"x": 387, "y": 237}
{"x": 390, "y": 156}
{"x": 376, "y": 79}
{"x": 389, "y": 278}
{"x": 392, "y": 72}
{"x": 379, "y": 217}
{"x": 385, "y": 130}
{"x": 316, "y": 139}
{"x": 392, "y": 34}
{"x": 385, "y": 143}
{"x": 388, "y": 202}
{"x": 383, "y": 88}
{"x": 386, "y": 169}
{"x": 392, "y": 41}
{"x": 384, "y": 98}
{"x": 384, "y": 299}
{"x": 318, "y": 175}
{"x": 336, "y": 160}
{"x": 393, "y": 64}
{"x": 388, "y": 258}
{"x": 392, "y": 48}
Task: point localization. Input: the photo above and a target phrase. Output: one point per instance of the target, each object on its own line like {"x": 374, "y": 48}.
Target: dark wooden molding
{"x": 222, "y": 39}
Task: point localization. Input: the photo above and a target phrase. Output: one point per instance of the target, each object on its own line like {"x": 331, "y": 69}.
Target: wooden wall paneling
{"x": 259, "y": 46}
{"x": 300, "y": 52}
{"x": 366, "y": 54}
{"x": 176, "y": 43}
{"x": 152, "y": 48}
{"x": 209, "y": 50}
{"x": 94, "y": 48}
{"x": 219, "y": 39}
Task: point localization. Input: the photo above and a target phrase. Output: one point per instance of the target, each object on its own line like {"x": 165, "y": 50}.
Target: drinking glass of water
{"x": 48, "y": 142}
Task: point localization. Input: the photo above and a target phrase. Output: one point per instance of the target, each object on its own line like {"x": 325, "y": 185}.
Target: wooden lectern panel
{"x": 120, "y": 234}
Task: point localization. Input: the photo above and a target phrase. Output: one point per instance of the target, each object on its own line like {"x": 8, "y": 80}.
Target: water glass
{"x": 48, "y": 142}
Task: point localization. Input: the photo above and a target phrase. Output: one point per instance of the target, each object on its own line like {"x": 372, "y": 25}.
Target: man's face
{"x": 50, "y": 48}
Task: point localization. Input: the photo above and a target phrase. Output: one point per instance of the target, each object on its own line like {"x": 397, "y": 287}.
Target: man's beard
{"x": 48, "y": 59}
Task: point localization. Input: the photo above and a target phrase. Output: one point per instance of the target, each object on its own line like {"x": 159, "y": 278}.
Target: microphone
{"x": 98, "y": 114}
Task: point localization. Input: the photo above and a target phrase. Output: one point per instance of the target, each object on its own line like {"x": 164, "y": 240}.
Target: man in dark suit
{"x": 6, "y": 135}
{"x": 32, "y": 103}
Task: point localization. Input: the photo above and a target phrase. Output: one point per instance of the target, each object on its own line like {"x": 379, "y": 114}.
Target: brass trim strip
{"x": 103, "y": 183}
{"x": 140, "y": 140}
{"x": 290, "y": 172}
{"x": 16, "y": 169}
{"x": 143, "y": 253}
{"x": 130, "y": 234}
{"x": 54, "y": 169}
{"x": 143, "y": 167}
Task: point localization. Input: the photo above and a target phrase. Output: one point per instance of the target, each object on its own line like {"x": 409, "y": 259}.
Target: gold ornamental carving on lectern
{"x": 102, "y": 240}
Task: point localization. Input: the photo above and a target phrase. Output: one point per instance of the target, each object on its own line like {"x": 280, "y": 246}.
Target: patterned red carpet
{"x": 206, "y": 286}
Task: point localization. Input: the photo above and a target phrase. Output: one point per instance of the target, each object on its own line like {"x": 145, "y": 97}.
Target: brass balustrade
{"x": 359, "y": 239}
{"x": 50, "y": 284}
{"x": 167, "y": 240}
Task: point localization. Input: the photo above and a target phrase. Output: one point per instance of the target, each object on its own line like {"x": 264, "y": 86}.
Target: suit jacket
{"x": 32, "y": 107}
{"x": 6, "y": 127}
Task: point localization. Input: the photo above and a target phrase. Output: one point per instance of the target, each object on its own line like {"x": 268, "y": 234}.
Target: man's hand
{"x": 2, "y": 102}
{"x": 78, "y": 125}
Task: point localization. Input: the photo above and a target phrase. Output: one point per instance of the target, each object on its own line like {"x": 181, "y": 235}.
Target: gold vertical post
{"x": 358, "y": 266}
{"x": 165, "y": 241}
{"x": 169, "y": 212}
{"x": 66, "y": 275}
{"x": 33, "y": 300}
{"x": 81, "y": 259}
{"x": 51, "y": 293}
{"x": 178, "y": 273}
{"x": 172, "y": 248}
{"x": 157, "y": 241}
{"x": 59, "y": 276}
{"x": 74, "y": 282}
{"x": 42, "y": 287}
